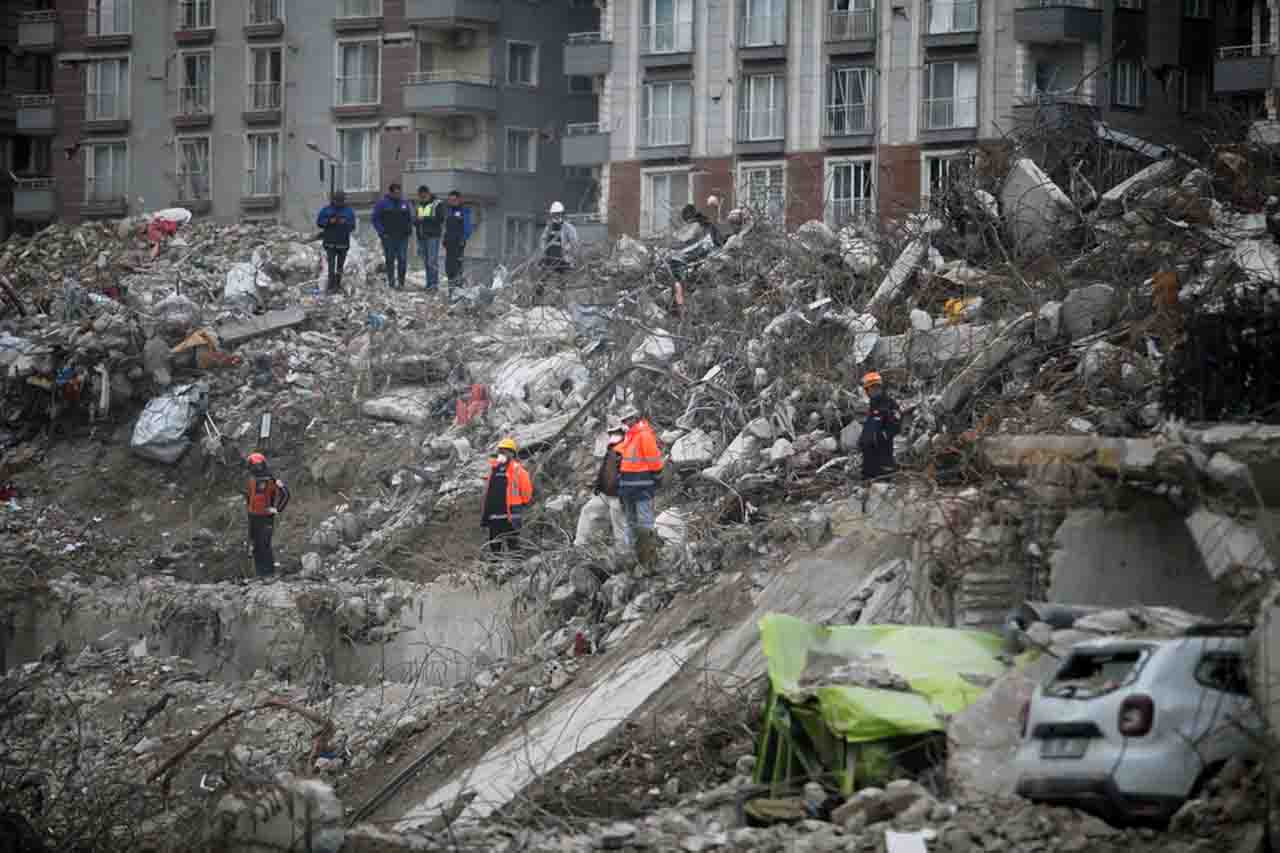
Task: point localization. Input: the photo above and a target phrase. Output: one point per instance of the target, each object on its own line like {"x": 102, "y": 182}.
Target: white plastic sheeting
{"x": 161, "y": 431}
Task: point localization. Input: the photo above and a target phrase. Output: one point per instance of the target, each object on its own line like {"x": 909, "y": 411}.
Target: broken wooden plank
{"x": 232, "y": 334}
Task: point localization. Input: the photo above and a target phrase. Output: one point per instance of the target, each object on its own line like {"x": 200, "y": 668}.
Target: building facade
{"x": 849, "y": 109}
{"x": 1247, "y": 66}
{"x": 253, "y": 109}
{"x": 26, "y": 134}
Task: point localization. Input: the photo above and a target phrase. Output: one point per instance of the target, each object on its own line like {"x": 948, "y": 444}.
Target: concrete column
{"x": 1092, "y": 59}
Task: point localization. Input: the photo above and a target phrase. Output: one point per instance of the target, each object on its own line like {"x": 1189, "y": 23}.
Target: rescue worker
{"x": 559, "y": 241}
{"x": 265, "y": 498}
{"x": 392, "y": 218}
{"x": 690, "y": 214}
{"x": 508, "y": 490}
{"x": 457, "y": 231}
{"x": 337, "y": 221}
{"x": 429, "y": 224}
{"x": 604, "y": 501}
{"x": 640, "y": 474}
{"x": 878, "y": 430}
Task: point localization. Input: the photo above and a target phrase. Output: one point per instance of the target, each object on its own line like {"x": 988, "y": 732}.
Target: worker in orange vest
{"x": 265, "y": 498}
{"x": 640, "y": 474}
{"x": 508, "y": 490}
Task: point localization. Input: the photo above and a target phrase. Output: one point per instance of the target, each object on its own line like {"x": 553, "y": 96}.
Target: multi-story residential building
{"x": 230, "y": 107}
{"x": 26, "y": 119}
{"x": 843, "y": 109}
{"x": 1247, "y": 68}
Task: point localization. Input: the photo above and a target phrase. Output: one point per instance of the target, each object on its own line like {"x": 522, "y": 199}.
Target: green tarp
{"x": 933, "y": 662}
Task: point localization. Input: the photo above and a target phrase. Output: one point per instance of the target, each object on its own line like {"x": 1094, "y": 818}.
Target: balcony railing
{"x": 842, "y": 212}
{"x": 447, "y": 76}
{"x": 356, "y": 90}
{"x": 851, "y": 25}
{"x": 664, "y": 130}
{"x": 948, "y": 113}
{"x": 583, "y": 218}
{"x": 32, "y": 101}
{"x": 952, "y": 16}
{"x": 193, "y": 186}
{"x": 1056, "y": 4}
{"x": 193, "y": 100}
{"x": 195, "y": 14}
{"x": 264, "y": 12}
{"x": 666, "y": 38}
{"x": 763, "y": 30}
{"x": 584, "y": 38}
{"x": 261, "y": 182}
{"x": 586, "y": 128}
{"x": 113, "y": 20}
{"x": 359, "y": 177}
{"x": 1244, "y": 51}
{"x": 105, "y": 190}
{"x": 847, "y": 119}
{"x": 451, "y": 164}
{"x": 101, "y": 106}
{"x": 761, "y": 125}
{"x": 263, "y": 96}
{"x": 359, "y": 8}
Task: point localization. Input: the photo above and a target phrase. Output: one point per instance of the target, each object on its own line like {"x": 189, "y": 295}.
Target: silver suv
{"x": 1131, "y": 728}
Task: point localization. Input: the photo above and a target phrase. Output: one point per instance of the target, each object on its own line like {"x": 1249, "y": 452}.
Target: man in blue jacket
{"x": 457, "y": 231}
{"x": 336, "y": 222}
{"x": 393, "y": 220}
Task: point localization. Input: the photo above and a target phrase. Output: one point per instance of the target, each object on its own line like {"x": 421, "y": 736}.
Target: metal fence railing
{"x": 450, "y": 164}
{"x": 359, "y": 177}
{"x": 762, "y": 30}
{"x": 952, "y": 16}
{"x": 664, "y": 130}
{"x": 263, "y": 96}
{"x": 193, "y": 100}
{"x": 356, "y": 90}
{"x": 846, "y": 119}
{"x": 447, "y": 75}
{"x": 108, "y": 18}
{"x": 195, "y": 14}
{"x": 582, "y": 128}
{"x": 105, "y": 190}
{"x": 947, "y": 113}
{"x": 359, "y": 8}
{"x": 193, "y": 186}
{"x": 1242, "y": 51}
{"x": 666, "y": 38}
{"x": 584, "y": 38}
{"x": 761, "y": 125}
{"x": 32, "y": 101}
{"x": 106, "y": 106}
{"x": 261, "y": 182}
{"x": 849, "y": 211}
{"x": 264, "y": 11}
{"x": 850, "y": 25}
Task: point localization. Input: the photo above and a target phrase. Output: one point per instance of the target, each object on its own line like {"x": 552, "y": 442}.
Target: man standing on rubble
{"x": 337, "y": 221}
{"x": 429, "y": 222}
{"x": 266, "y": 498}
{"x": 508, "y": 490}
{"x": 393, "y": 220}
{"x": 604, "y": 500}
{"x": 640, "y": 474}
{"x": 878, "y": 431}
{"x": 559, "y": 242}
{"x": 457, "y": 231}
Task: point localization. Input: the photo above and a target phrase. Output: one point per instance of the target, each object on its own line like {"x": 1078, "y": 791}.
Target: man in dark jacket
{"x": 336, "y": 222}
{"x": 457, "y": 231}
{"x": 393, "y": 220}
{"x": 429, "y": 223}
{"x": 605, "y": 504}
{"x": 265, "y": 498}
{"x": 878, "y": 430}
{"x": 692, "y": 214}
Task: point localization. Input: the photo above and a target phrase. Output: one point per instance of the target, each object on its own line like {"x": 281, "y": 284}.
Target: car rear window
{"x": 1087, "y": 674}
{"x": 1223, "y": 671}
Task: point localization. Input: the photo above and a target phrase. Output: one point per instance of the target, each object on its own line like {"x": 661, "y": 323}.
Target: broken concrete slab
{"x": 404, "y": 405}
{"x": 1014, "y": 454}
{"x": 737, "y": 458}
{"x": 533, "y": 436}
{"x": 1112, "y": 201}
{"x": 658, "y": 347}
{"x": 1049, "y": 322}
{"x": 1035, "y": 208}
{"x": 1229, "y": 547}
{"x": 671, "y": 526}
{"x": 1258, "y": 259}
{"x": 232, "y": 334}
{"x": 898, "y": 276}
{"x": 1087, "y": 310}
{"x": 985, "y": 363}
{"x": 540, "y": 381}
{"x": 693, "y": 449}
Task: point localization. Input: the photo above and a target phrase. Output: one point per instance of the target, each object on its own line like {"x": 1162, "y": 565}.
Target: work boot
{"x": 647, "y": 546}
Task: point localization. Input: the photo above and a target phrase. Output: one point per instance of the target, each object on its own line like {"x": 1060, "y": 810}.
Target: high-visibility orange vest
{"x": 639, "y": 450}
{"x": 262, "y": 495}
{"x": 519, "y": 486}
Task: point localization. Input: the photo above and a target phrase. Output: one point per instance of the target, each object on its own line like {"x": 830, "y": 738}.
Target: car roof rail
{"x": 1219, "y": 629}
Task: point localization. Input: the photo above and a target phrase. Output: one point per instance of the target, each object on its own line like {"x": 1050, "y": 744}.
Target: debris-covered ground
{"x": 1082, "y": 360}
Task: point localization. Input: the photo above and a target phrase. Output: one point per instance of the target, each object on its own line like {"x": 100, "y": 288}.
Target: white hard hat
{"x": 557, "y": 207}
{"x": 713, "y": 201}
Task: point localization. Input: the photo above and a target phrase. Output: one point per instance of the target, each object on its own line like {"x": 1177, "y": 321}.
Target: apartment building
{"x": 849, "y": 109}
{"x": 1247, "y": 66}
{"x": 253, "y": 109}
{"x": 26, "y": 84}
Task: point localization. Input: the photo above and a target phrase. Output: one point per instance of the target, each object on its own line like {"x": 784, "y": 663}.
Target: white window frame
{"x": 681, "y": 26}
{"x": 520, "y": 253}
{"x": 532, "y": 133}
{"x": 964, "y": 110}
{"x": 96, "y": 15}
{"x": 646, "y": 199}
{"x": 280, "y": 9}
{"x": 767, "y": 28}
{"x": 647, "y": 116}
{"x": 950, "y": 154}
{"x": 372, "y": 9}
{"x": 952, "y": 16}
{"x": 250, "y": 161}
{"x": 207, "y": 139}
{"x": 775, "y": 118}
{"x": 89, "y": 161}
{"x": 745, "y": 170}
{"x": 830, "y": 203}
{"x": 183, "y": 5}
{"x": 533, "y": 69}
{"x": 1128, "y": 84}
{"x": 867, "y": 72}
{"x": 338, "y": 48}
{"x": 125, "y": 93}
{"x": 250, "y": 82}
{"x": 375, "y": 181}
{"x": 183, "y": 55}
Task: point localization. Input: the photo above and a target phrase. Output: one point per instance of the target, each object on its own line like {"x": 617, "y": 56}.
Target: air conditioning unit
{"x": 460, "y": 128}
{"x": 462, "y": 39}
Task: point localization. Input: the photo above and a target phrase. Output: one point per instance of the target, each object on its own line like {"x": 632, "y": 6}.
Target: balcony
{"x": 194, "y": 192}
{"x": 949, "y": 119}
{"x": 1245, "y": 68}
{"x": 761, "y": 131}
{"x": 445, "y": 92}
{"x": 38, "y": 31}
{"x": 265, "y": 19}
{"x": 263, "y": 103}
{"x": 36, "y": 114}
{"x": 952, "y": 23}
{"x": 358, "y": 15}
{"x": 452, "y": 12}
{"x": 1043, "y": 111}
{"x": 851, "y": 32}
{"x": 663, "y": 45}
{"x": 360, "y": 180}
{"x": 106, "y": 112}
{"x": 261, "y": 190}
{"x": 848, "y": 124}
{"x": 584, "y": 145}
{"x": 664, "y": 137}
{"x": 111, "y": 28}
{"x": 1057, "y": 21}
{"x": 592, "y": 228}
{"x": 105, "y": 198}
{"x": 762, "y": 37}
{"x": 195, "y": 22}
{"x": 194, "y": 108}
{"x": 475, "y": 179}
{"x": 35, "y": 199}
{"x": 850, "y": 211}
{"x": 587, "y": 55}
{"x": 357, "y": 96}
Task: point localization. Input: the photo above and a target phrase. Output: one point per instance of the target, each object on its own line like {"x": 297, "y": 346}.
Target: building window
{"x": 521, "y": 237}
{"x": 194, "y": 169}
{"x": 358, "y": 150}
{"x": 951, "y": 96}
{"x": 849, "y": 192}
{"x": 522, "y": 63}
{"x": 196, "y": 91}
{"x": 359, "y": 73}
{"x": 665, "y": 116}
{"x": 106, "y": 172}
{"x": 848, "y": 20}
{"x": 849, "y": 100}
{"x": 764, "y": 23}
{"x": 953, "y": 16}
{"x": 195, "y": 14}
{"x": 266, "y": 11}
{"x": 668, "y": 26}
{"x": 580, "y": 85}
{"x": 1196, "y": 9}
{"x": 522, "y": 150}
{"x": 1194, "y": 91}
{"x": 662, "y": 196}
{"x": 1132, "y": 5}
{"x": 940, "y": 174}
{"x": 107, "y": 90}
{"x": 422, "y": 146}
{"x": 763, "y": 113}
{"x": 1129, "y": 84}
{"x": 263, "y": 154}
{"x": 359, "y": 8}
{"x": 108, "y": 18}
{"x": 578, "y": 173}
{"x": 266, "y": 78}
{"x": 762, "y": 187}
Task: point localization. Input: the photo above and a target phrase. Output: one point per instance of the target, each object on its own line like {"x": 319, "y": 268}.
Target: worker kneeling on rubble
{"x": 640, "y": 474}
{"x": 508, "y": 490}
{"x": 266, "y": 498}
{"x": 604, "y": 503}
{"x": 878, "y": 430}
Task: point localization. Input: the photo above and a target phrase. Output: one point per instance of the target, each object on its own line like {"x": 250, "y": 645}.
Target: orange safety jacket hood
{"x": 519, "y": 486}
{"x": 261, "y": 495}
{"x": 639, "y": 451}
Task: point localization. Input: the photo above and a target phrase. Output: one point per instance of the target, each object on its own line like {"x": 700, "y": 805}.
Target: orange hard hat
{"x": 870, "y": 379}
{"x": 257, "y": 459}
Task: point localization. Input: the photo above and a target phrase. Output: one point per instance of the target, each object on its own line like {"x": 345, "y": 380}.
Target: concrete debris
{"x": 898, "y": 277}
{"x": 1114, "y": 199}
{"x": 817, "y": 236}
{"x": 658, "y": 347}
{"x": 693, "y": 449}
{"x": 858, "y": 253}
{"x": 990, "y": 359}
{"x": 1259, "y": 261}
{"x": 405, "y": 405}
{"x": 1087, "y": 310}
{"x": 1036, "y": 209}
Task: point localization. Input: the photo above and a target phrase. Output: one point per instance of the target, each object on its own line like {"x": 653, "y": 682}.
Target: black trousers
{"x": 503, "y": 531}
{"x": 453, "y": 263}
{"x": 337, "y": 257}
{"x": 261, "y": 529}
